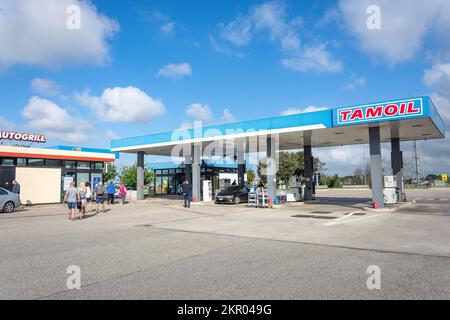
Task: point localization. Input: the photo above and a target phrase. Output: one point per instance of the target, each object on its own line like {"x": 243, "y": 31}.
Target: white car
{"x": 8, "y": 201}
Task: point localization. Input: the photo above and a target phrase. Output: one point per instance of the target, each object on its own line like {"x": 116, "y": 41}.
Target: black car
{"x": 233, "y": 194}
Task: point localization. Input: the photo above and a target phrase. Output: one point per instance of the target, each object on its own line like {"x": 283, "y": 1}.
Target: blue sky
{"x": 217, "y": 61}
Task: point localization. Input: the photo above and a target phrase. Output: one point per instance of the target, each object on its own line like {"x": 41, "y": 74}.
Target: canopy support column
{"x": 241, "y": 161}
{"x": 196, "y": 168}
{"x": 140, "y": 176}
{"x": 271, "y": 167}
{"x": 397, "y": 165}
{"x": 376, "y": 169}
{"x": 308, "y": 161}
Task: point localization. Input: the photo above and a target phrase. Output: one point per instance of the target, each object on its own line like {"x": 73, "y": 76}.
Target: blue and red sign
{"x": 385, "y": 111}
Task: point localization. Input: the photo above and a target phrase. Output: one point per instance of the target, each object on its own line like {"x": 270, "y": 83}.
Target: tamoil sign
{"x": 385, "y": 111}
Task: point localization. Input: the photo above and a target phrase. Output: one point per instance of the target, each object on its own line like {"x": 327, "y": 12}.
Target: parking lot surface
{"x": 159, "y": 250}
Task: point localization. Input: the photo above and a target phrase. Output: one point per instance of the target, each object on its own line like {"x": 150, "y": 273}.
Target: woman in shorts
{"x": 82, "y": 202}
{"x": 88, "y": 197}
{"x": 99, "y": 197}
{"x": 72, "y": 197}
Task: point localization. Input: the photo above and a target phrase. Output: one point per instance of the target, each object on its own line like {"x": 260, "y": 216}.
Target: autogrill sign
{"x": 17, "y": 136}
{"x": 385, "y": 111}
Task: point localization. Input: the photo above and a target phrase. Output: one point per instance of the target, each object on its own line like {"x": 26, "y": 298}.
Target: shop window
{"x": 83, "y": 165}
{"x": 97, "y": 165}
{"x": 36, "y": 162}
{"x": 21, "y": 162}
{"x": 165, "y": 171}
{"x": 7, "y": 162}
{"x": 68, "y": 164}
{"x": 52, "y": 163}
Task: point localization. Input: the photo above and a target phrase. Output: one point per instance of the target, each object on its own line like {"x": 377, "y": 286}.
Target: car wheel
{"x": 8, "y": 207}
{"x": 237, "y": 200}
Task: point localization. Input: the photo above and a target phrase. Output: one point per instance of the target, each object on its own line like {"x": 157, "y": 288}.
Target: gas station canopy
{"x": 406, "y": 119}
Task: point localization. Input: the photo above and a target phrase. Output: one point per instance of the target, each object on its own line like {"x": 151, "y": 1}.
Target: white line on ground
{"x": 353, "y": 220}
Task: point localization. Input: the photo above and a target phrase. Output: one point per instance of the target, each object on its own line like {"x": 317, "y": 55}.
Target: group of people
{"x": 82, "y": 198}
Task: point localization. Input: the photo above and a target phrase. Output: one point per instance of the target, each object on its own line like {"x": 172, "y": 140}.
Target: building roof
{"x": 84, "y": 149}
{"x": 55, "y": 153}
{"x": 407, "y": 119}
{"x": 205, "y": 163}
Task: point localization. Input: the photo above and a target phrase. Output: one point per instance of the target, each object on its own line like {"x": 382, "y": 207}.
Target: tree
{"x": 128, "y": 176}
{"x": 250, "y": 176}
{"x": 289, "y": 164}
{"x": 111, "y": 172}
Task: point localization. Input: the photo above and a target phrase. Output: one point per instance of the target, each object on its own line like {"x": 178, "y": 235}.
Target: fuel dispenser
{"x": 390, "y": 191}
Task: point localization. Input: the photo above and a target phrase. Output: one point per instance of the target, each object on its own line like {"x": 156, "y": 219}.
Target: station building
{"x": 45, "y": 173}
{"x": 169, "y": 176}
{"x": 391, "y": 122}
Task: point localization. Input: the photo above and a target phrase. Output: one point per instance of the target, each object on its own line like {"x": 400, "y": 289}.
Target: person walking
{"x": 82, "y": 202}
{"x": 187, "y": 191}
{"x": 16, "y": 189}
{"x": 123, "y": 193}
{"x": 99, "y": 197}
{"x": 72, "y": 197}
{"x": 88, "y": 197}
{"x": 110, "y": 190}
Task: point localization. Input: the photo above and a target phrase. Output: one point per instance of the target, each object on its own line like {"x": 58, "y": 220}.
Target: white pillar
{"x": 196, "y": 168}
{"x": 376, "y": 168}
{"x": 140, "y": 176}
{"x": 272, "y": 167}
{"x": 241, "y": 160}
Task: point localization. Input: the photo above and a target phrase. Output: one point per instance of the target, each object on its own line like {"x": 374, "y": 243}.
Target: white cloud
{"x": 355, "y": 83}
{"x": 45, "y": 87}
{"x": 49, "y": 118}
{"x": 36, "y": 33}
{"x": 438, "y": 77}
{"x": 292, "y": 110}
{"x": 175, "y": 71}
{"x": 404, "y": 26}
{"x": 6, "y": 124}
{"x": 224, "y": 49}
{"x": 200, "y": 112}
{"x": 271, "y": 20}
{"x": 227, "y": 116}
{"x": 111, "y": 135}
{"x": 314, "y": 58}
{"x": 186, "y": 125}
{"x": 270, "y": 17}
{"x": 126, "y": 105}
{"x": 168, "y": 29}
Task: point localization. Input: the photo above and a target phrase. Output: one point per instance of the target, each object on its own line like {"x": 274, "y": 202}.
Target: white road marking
{"x": 353, "y": 220}
{"x": 443, "y": 199}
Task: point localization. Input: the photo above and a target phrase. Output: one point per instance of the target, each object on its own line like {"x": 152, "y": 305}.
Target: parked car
{"x": 8, "y": 201}
{"x": 233, "y": 194}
